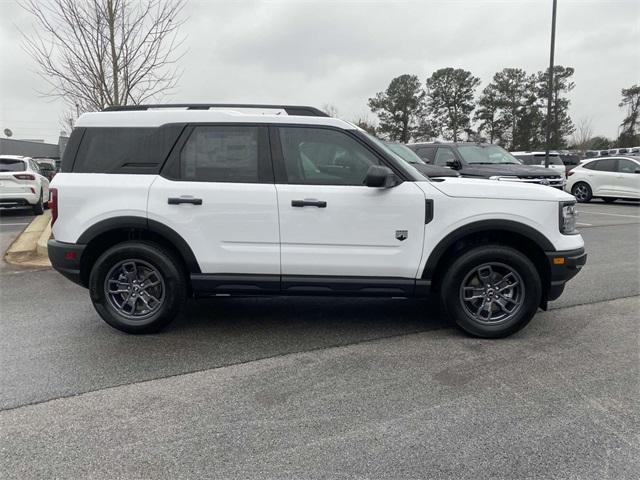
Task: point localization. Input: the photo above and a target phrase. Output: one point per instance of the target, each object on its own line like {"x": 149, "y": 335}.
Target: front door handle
{"x": 179, "y": 200}
{"x": 309, "y": 203}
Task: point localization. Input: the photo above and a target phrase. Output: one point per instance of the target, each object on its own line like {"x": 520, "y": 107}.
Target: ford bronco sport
{"x": 160, "y": 203}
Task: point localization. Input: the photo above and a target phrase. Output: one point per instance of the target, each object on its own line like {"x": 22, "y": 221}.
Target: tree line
{"x": 509, "y": 111}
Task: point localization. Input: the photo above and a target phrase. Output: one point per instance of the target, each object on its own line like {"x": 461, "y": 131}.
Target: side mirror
{"x": 379, "y": 176}
{"x": 453, "y": 163}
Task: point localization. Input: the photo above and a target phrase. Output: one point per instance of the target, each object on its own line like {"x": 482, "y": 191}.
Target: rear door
{"x": 331, "y": 224}
{"x": 604, "y": 177}
{"x": 629, "y": 179}
{"x": 217, "y": 192}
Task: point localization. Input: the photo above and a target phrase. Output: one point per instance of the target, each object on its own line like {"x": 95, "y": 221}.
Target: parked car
{"x": 224, "y": 201}
{"x": 22, "y": 184}
{"x": 591, "y": 153}
{"x": 481, "y": 160}
{"x": 429, "y": 171}
{"x": 47, "y": 167}
{"x": 608, "y": 178}
{"x": 604, "y": 153}
{"x": 538, "y": 158}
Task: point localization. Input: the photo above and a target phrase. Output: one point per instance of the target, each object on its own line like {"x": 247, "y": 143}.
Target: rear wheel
{"x": 582, "y": 192}
{"x": 137, "y": 287}
{"x": 491, "y": 291}
{"x": 38, "y": 208}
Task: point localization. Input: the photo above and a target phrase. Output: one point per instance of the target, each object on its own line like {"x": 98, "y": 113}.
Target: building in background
{"x": 34, "y": 148}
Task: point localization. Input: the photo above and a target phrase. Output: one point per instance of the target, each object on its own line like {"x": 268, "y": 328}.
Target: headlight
{"x": 568, "y": 216}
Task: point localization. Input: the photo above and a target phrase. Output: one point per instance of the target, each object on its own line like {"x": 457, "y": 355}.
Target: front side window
{"x": 444, "y": 155}
{"x": 221, "y": 154}
{"x": 428, "y": 154}
{"x": 318, "y": 156}
{"x": 627, "y": 166}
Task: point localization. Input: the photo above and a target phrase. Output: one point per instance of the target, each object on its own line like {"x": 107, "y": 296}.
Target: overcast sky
{"x": 343, "y": 52}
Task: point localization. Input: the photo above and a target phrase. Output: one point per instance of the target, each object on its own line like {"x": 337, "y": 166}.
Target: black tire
{"x": 150, "y": 261}
{"x": 609, "y": 199}
{"x": 38, "y": 208}
{"x": 582, "y": 191}
{"x": 523, "y": 305}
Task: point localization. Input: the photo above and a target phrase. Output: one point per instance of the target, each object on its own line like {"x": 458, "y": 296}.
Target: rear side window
{"x": 11, "y": 165}
{"x": 607, "y": 165}
{"x": 124, "y": 150}
{"x": 221, "y": 154}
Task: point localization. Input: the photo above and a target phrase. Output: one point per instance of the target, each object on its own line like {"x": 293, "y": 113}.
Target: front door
{"x": 331, "y": 224}
{"x": 217, "y": 193}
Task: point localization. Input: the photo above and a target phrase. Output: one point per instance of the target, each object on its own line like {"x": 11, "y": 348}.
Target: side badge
{"x": 402, "y": 235}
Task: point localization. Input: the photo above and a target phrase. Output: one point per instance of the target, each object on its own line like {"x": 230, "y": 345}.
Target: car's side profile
{"x": 608, "y": 178}
{"x": 155, "y": 205}
{"x": 22, "y": 184}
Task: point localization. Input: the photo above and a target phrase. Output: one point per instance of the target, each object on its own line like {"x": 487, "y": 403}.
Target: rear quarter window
{"x": 124, "y": 150}
{"x": 11, "y": 165}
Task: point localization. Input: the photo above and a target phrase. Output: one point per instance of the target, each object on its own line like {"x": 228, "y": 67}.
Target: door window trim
{"x": 279, "y": 168}
{"x": 171, "y": 168}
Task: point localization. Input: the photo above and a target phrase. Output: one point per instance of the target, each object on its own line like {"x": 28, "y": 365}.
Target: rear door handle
{"x": 179, "y": 200}
{"x": 309, "y": 203}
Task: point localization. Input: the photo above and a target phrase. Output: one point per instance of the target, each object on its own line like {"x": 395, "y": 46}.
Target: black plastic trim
{"x": 428, "y": 211}
{"x": 70, "y": 268}
{"x": 119, "y": 223}
{"x": 299, "y": 110}
{"x": 574, "y": 260}
{"x": 252, "y": 284}
{"x": 483, "y": 226}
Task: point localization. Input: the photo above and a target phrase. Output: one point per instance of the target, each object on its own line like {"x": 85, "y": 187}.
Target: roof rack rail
{"x": 299, "y": 110}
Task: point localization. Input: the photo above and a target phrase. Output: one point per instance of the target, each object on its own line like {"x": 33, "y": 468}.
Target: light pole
{"x": 550, "y": 97}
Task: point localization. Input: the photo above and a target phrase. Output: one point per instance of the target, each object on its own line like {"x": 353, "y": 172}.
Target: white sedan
{"x": 608, "y": 178}
{"x": 22, "y": 184}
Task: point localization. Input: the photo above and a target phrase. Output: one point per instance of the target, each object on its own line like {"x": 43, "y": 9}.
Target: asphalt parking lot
{"x": 325, "y": 388}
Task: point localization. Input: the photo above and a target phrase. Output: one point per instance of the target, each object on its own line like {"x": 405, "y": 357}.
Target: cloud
{"x": 343, "y": 52}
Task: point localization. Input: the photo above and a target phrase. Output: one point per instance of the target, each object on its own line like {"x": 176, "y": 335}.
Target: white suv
{"x": 22, "y": 184}
{"x": 159, "y": 203}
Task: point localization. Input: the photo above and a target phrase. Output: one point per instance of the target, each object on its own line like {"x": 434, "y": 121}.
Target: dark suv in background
{"x": 483, "y": 160}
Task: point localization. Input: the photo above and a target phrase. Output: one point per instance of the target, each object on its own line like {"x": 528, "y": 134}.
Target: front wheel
{"x": 582, "y": 192}
{"x": 137, "y": 287}
{"x": 491, "y": 291}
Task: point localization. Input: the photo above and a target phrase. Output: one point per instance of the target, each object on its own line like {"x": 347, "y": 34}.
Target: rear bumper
{"x": 16, "y": 201}
{"x": 65, "y": 258}
{"x": 563, "y": 267}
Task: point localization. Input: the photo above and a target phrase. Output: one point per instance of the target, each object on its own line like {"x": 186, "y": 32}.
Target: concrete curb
{"x": 29, "y": 249}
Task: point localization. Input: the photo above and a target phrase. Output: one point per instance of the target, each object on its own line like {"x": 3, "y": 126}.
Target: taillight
{"x": 53, "y": 204}
{"x": 24, "y": 176}
{"x": 569, "y": 173}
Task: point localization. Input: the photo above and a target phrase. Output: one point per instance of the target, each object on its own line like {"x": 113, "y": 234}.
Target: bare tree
{"x": 97, "y": 53}
{"x": 583, "y": 134}
{"x": 330, "y": 109}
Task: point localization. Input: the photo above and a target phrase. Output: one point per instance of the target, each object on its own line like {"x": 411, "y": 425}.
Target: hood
{"x": 487, "y": 171}
{"x": 481, "y": 188}
{"x": 434, "y": 170}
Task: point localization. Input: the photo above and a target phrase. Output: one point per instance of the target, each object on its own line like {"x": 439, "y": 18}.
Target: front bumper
{"x": 563, "y": 267}
{"x": 65, "y": 258}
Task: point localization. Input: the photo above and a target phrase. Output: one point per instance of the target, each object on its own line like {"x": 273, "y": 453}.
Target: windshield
{"x": 487, "y": 154}
{"x": 11, "y": 165}
{"x": 405, "y": 153}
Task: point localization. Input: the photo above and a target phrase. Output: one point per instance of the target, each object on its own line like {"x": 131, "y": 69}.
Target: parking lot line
{"x": 588, "y": 212}
{"x": 13, "y": 224}
{"x": 584, "y": 224}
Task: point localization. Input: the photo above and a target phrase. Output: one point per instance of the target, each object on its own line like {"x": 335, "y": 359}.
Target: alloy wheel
{"x": 135, "y": 289}
{"x": 492, "y": 293}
